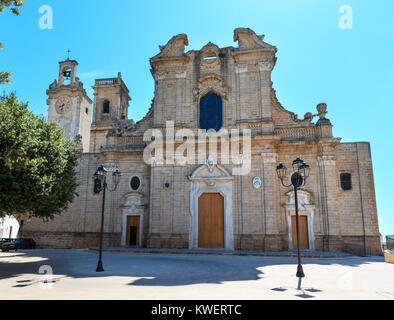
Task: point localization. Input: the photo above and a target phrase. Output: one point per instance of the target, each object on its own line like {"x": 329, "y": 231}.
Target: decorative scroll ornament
{"x": 175, "y": 47}
{"x": 211, "y": 82}
{"x": 248, "y": 39}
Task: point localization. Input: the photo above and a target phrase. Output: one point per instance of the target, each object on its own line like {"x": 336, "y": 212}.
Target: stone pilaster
{"x": 271, "y": 204}
{"x": 328, "y": 202}
{"x": 158, "y": 120}
{"x": 265, "y": 69}
{"x": 241, "y": 70}
{"x": 180, "y": 97}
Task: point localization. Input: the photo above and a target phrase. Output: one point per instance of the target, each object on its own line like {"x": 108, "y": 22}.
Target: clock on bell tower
{"x": 69, "y": 105}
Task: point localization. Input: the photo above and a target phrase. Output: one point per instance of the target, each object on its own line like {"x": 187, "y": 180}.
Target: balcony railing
{"x": 107, "y": 82}
{"x": 302, "y": 133}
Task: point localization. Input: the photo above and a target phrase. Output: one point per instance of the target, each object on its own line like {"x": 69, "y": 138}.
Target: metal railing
{"x": 390, "y": 242}
{"x": 105, "y": 82}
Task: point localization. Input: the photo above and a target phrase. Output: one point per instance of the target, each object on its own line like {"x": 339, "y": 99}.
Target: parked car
{"x": 16, "y": 244}
{"x": 3, "y": 240}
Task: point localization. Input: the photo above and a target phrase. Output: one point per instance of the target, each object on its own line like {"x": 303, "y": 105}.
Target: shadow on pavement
{"x": 303, "y": 295}
{"x": 152, "y": 270}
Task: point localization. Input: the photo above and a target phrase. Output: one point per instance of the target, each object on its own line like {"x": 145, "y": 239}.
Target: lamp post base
{"x": 300, "y": 272}
{"x": 100, "y": 267}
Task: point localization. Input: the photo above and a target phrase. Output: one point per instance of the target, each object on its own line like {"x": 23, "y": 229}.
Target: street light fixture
{"x": 100, "y": 184}
{"x": 298, "y": 179}
{"x": 21, "y": 226}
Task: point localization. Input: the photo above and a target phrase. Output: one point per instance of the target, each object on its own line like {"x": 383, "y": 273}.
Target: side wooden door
{"x": 133, "y": 231}
{"x": 303, "y": 229}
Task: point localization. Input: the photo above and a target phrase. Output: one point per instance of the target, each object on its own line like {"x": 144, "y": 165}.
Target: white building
{"x": 9, "y": 227}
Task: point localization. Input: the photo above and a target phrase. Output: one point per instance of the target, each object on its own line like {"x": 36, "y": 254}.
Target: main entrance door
{"x": 211, "y": 221}
{"x": 133, "y": 231}
{"x": 303, "y": 229}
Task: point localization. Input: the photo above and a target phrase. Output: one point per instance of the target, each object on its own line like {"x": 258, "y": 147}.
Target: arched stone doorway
{"x": 306, "y": 215}
{"x": 133, "y": 212}
{"x": 211, "y": 184}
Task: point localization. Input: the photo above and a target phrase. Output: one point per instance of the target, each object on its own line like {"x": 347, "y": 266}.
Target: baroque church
{"x": 204, "y": 204}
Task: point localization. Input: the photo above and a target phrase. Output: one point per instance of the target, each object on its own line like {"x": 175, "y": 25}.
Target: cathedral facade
{"x": 209, "y": 202}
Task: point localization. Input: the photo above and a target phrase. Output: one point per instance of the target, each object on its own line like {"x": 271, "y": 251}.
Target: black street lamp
{"x": 100, "y": 184}
{"x": 21, "y": 226}
{"x": 298, "y": 179}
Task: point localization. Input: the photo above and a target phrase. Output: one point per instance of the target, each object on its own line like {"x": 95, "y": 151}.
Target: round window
{"x": 135, "y": 183}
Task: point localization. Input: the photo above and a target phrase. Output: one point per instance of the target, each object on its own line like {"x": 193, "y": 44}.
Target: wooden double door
{"x": 303, "y": 231}
{"x": 211, "y": 221}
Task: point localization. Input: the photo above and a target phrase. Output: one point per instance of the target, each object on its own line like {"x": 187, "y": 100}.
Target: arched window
{"x": 211, "y": 112}
{"x": 106, "y": 106}
{"x": 66, "y": 76}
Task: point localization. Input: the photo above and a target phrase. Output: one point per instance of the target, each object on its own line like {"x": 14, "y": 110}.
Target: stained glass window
{"x": 211, "y": 112}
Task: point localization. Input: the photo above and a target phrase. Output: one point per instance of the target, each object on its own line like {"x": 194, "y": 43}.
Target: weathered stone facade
{"x": 166, "y": 199}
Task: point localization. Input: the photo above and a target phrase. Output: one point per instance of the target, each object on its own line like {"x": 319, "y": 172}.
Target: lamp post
{"x": 21, "y": 233}
{"x": 21, "y": 226}
{"x": 298, "y": 179}
{"x": 100, "y": 184}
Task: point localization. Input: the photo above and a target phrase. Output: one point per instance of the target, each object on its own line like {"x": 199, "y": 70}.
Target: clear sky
{"x": 352, "y": 70}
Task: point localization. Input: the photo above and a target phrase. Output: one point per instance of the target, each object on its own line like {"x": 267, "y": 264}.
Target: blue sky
{"x": 351, "y": 70}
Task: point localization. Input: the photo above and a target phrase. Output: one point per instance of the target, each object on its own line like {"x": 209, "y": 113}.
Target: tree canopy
{"x": 12, "y": 4}
{"x": 37, "y": 164}
{"x": 5, "y": 76}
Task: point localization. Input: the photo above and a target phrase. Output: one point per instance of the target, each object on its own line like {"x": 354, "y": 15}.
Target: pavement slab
{"x": 70, "y": 274}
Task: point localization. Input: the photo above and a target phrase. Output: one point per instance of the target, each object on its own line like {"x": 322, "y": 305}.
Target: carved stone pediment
{"x": 304, "y": 200}
{"x": 134, "y": 201}
{"x": 211, "y": 82}
{"x": 211, "y": 78}
{"x": 175, "y": 47}
{"x": 210, "y": 47}
{"x": 210, "y": 173}
{"x": 248, "y": 39}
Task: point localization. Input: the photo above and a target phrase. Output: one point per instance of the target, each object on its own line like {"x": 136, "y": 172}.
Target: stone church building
{"x": 205, "y": 205}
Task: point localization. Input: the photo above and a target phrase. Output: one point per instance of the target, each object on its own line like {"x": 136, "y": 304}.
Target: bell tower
{"x": 69, "y": 105}
{"x": 111, "y": 103}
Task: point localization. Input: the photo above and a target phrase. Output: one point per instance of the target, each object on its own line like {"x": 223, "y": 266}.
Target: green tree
{"x": 5, "y": 76}
{"x": 37, "y": 164}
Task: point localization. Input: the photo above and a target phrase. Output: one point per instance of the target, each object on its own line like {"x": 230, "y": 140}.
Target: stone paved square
{"x": 189, "y": 277}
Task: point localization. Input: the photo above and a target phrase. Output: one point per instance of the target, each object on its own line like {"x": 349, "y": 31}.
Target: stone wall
{"x": 339, "y": 220}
